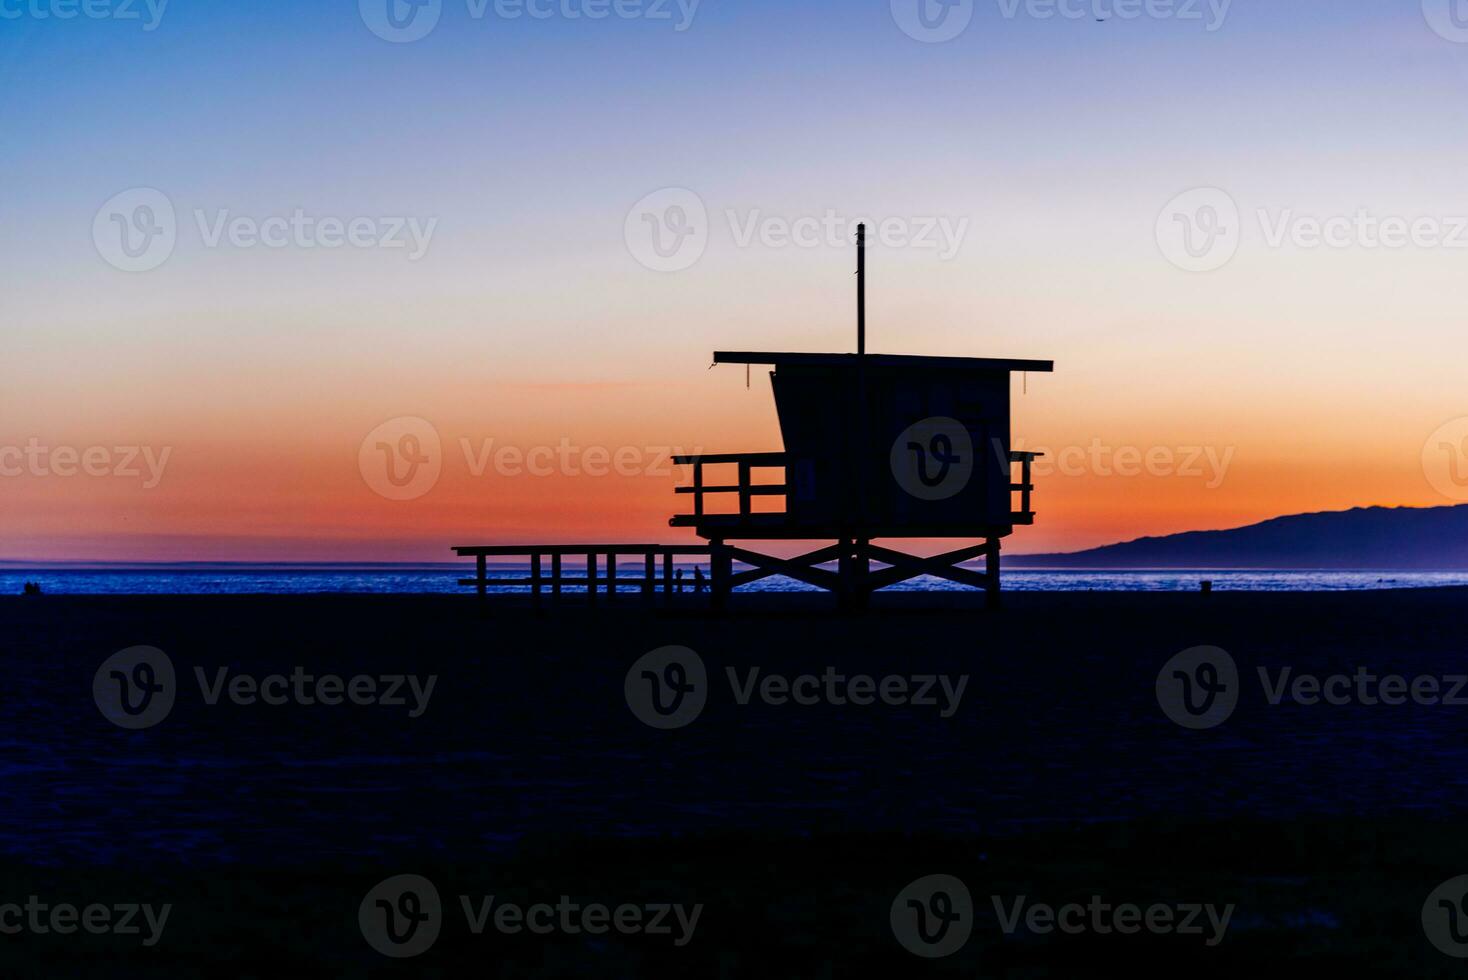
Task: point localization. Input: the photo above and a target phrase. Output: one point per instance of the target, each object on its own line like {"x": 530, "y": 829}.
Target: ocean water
{"x": 443, "y": 578}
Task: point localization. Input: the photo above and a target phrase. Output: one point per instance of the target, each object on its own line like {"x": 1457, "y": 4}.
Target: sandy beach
{"x": 497, "y": 753}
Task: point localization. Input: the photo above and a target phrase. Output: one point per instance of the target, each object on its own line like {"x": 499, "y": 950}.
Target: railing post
{"x": 481, "y": 582}
{"x": 697, "y": 488}
{"x": 591, "y": 577}
{"x": 556, "y": 574}
{"x": 667, "y": 574}
{"x": 611, "y": 575}
{"x": 650, "y": 571}
{"x": 535, "y": 579}
{"x": 1025, "y": 476}
{"x": 744, "y": 482}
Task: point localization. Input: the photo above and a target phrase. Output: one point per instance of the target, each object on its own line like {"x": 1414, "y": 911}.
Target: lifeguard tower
{"x": 878, "y": 447}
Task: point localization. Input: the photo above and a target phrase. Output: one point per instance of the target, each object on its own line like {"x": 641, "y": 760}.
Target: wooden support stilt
{"x": 721, "y": 570}
{"x": 591, "y": 578}
{"x": 556, "y": 575}
{"x": 535, "y": 580}
{"x": 991, "y": 573}
{"x": 481, "y": 581}
{"x": 846, "y": 575}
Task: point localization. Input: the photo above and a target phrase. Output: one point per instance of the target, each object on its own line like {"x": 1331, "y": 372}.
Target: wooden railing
{"x": 1025, "y": 486}
{"x": 599, "y": 577}
{"x": 745, "y": 486}
{"x": 747, "y": 489}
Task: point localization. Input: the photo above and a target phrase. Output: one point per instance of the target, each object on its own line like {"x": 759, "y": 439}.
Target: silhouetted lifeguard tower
{"x": 877, "y": 447}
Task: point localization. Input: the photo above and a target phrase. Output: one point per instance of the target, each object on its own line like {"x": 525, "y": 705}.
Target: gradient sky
{"x": 1319, "y": 374}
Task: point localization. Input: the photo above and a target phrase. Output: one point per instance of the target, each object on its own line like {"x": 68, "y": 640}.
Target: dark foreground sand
{"x": 1057, "y": 777}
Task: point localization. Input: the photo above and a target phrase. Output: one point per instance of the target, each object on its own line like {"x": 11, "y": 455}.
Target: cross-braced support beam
{"x": 854, "y": 580}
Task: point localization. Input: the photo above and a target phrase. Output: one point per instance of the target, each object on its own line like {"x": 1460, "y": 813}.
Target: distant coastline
{"x": 1364, "y": 538}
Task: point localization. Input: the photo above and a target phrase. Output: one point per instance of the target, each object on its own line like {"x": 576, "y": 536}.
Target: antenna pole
{"x": 861, "y": 288}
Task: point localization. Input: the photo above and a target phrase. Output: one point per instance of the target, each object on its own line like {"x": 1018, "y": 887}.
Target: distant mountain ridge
{"x": 1387, "y": 538}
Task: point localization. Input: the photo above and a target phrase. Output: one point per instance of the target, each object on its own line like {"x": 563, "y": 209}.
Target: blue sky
{"x": 1055, "y": 141}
